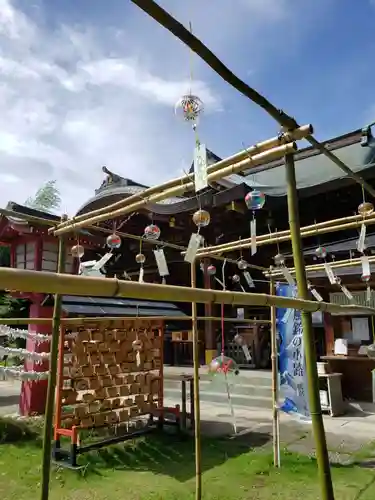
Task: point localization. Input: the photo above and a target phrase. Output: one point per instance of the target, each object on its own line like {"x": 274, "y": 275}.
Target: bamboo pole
{"x": 163, "y": 18}
{"x": 281, "y": 236}
{"x": 197, "y": 411}
{"x": 275, "y": 382}
{"x": 47, "y": 282}
{"x": 108, "y": 319}
{"x": 258, "y": 159}
{"x": 260, "y": 147}
{"x": 322, "y": 457}
{"x": 320, "y": 267}
{"x": 48, "y": 422}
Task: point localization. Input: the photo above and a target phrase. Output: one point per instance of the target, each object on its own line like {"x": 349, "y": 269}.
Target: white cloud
{"x": 77, "y": 97}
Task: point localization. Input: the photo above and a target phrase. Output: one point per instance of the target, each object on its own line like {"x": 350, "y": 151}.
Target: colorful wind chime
{"x": 255, "y": 201}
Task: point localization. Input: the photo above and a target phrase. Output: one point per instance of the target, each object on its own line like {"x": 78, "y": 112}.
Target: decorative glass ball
{"x": 113, "y": 241}
{"x": 255, "y": 200}
{"x": 137, "y": 345}
{"x": 279, "y": 259}
{"x": 236, "y": 278}
{"x": 223, "y": 369}
{"x": 366, "y": 208}
{"x": 239, "y": 340}
{"x": 365, "y": 278}
{"x": 152, "y": 232}
{"x": 189, "y": 107}
{"x": 201, "y": 218}
{"x": 140, "y": 258}
{"x": 321, "y": 253}
{"x": 77, "y": 251}
{"x": 211, "y": 270}
{"x": 242, "y": 264}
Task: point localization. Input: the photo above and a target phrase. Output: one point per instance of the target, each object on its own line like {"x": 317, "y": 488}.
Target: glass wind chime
{"x": 279, "y": 261}
{"x": 151, "y": 232}
{"x": 365, "y": 209}
{"x": 255, "y": 201}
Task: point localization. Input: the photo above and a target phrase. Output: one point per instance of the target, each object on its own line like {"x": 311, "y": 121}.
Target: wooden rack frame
{"x": 102, "y": 382}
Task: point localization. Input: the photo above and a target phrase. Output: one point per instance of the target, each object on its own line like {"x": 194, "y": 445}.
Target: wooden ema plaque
{"x": 110, "y": 374}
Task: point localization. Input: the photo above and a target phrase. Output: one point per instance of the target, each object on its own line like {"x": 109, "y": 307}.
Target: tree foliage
{"x": 46, "y": 199}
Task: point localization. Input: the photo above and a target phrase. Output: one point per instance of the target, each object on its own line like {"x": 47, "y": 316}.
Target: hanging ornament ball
{"x": 236, "y": 278}
{"x": 321, "y": 253}
{"x": 113, "y": 241}
{"x": 137, "y": 345}
{"x": 242, "y": 264}
{"x": 211, "y": 270}
{"x": 152, "y": 232}
{"x": 239, "y": 340}
{"x": 223, "y": 367}
{"x": 201, "y": 218}
{"x": 365, "y": 277}
{"x": 255, "y": 200}
{"x": 189, "y": 107}
{"x": 279, "y": 259}
{"x": 140, "y": 258}
{"x": 77, "y": 251}
{"x": 366, "y": 208}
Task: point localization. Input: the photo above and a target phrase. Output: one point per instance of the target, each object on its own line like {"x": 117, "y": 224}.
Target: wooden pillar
{"x": 34, "y": 393}
{"x": 209, "y": 331}
{"x": 329, "y": 334}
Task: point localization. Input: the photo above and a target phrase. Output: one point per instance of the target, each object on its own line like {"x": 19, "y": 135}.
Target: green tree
{"x": 46, "y": 199}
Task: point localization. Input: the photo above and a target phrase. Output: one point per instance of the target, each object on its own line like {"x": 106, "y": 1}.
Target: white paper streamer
{"x": 366, "y": 271}
{"x": 249, "y": 279}
{"x": 141, "y": 275}
{"x": 316, "y": 294}
{"x": 18, "y": 374}
{"x": 253, "y": 235}
{"x": 195, "y": 242}
{"x": 246, "y": 352}
{"x": 286, "y": 273}
{"x": 25, "y": 354}
{"x": 200, "y": 167}
{"x": 347, "y": 293}
{"x": 330, "y": 274}
{"x": 361, "y": 240}
{"x": 161, "y": 262}
{"x": 368, "y": 294}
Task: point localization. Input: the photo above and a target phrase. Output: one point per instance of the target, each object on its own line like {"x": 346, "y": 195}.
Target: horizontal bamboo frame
{"x": 37, "y": 282}
{"x": 295, "y": 135}
{"x": 104, "y": 319}
{"x": 160, "y": 243}
{"x": 162, "y": 193}
{"x": 320, "y": 267}
{"x": 282, "y": 236}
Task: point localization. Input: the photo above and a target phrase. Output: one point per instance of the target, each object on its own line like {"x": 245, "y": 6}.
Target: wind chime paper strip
{"x": 316, "y": 294}
{"x": 249, "y": 279}
{"x": 161, "y": 262}
{"x": 368, "y": 294}
{"x": 200, "y": 167}
{"x": 293, "y": 381}
{"x": 361, "y": 240}
{"x": 253, "y": 236}
{"x": 347, "y": 293}
{"x": 288, "y": 277}
{"x": 195, "y": 243}
{"x": 101, "y": 262}
{"x": 330, "y": 274}
{"x": 366, "y": 270}
{"x": 141, "y": 275}
{"x": 246, "y": 352}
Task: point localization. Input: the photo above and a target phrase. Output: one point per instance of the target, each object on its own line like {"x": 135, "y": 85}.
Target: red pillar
{"x": 34, "y": 393}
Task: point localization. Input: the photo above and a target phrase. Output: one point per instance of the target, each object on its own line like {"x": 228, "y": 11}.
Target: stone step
{"x": 221, "y": 398}
{"x": 237, "y": 389}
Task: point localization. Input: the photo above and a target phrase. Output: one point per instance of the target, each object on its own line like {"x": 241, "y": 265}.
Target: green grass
{"x": 161, "y": 467}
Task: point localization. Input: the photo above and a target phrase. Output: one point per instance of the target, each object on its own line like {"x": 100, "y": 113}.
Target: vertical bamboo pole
{"x": 197, "y": 416}
{"x": 275, "y": 379}
{"x": 48, "y": 421}
{"x": 308, "y": 336}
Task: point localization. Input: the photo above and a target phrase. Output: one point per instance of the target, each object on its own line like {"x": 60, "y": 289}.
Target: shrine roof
{"x": 104, "y": 306}
{"x": 315, "y": 173}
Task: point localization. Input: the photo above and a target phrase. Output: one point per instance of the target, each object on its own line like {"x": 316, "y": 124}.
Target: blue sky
{"x": 86, "y": 83}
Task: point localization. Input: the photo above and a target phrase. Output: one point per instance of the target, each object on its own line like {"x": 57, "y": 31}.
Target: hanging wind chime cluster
{"x": 365, "y": 209}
